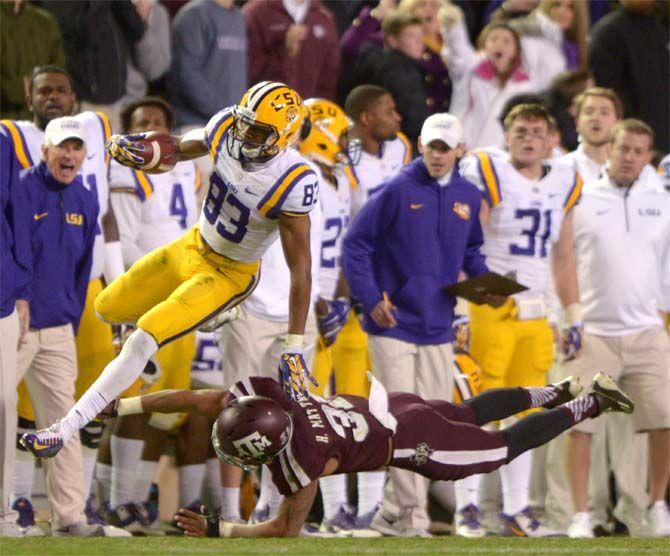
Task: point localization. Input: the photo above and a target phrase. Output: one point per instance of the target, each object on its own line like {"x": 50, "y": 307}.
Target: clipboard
{"x": 474, "y": 289}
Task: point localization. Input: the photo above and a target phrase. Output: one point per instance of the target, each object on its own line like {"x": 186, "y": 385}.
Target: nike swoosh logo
{"x": 416, "y": 206}
{"x": 247, "y": 190}
{"x": 601, "y": 212}
{"x": 90, "y": 157}
{"x": 37, "y": 445}
{"x": 552, "y": 195}
{"x": 40, "y": 216}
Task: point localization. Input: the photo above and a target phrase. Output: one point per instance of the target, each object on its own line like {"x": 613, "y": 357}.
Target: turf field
{"x": 445, "y": 546}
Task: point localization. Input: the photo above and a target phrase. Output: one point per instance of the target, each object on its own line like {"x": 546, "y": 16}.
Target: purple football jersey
{"x": 341, "y": 427}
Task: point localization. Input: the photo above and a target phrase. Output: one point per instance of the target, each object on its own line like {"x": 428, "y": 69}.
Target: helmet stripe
{"x": 255, "y": 102}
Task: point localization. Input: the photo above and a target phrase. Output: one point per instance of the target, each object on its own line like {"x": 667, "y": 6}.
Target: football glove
{"x": 572, "y": 342}
{"x": 124, "y": 149}
{"x": 293, "y": 373}
{"x": 332, "y": 322}
{"x": 152, "y": 371}
{"x": 120, "y": 333}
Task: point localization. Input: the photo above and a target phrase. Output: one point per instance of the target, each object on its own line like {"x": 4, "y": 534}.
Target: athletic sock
{"x": 498, "y": 404}
{"x": 89, "y": 457}
{"x": 211, "y": 491}
{"x": 269, "y": 495}
{"x": 542, "y": 394}
{"x": 103, "y": 475}
{"x": 230, "y": 503}
{"x": 581, "y": 408}
{"x": 334, "y": 494}
{"x": 515, "y": 479}
{"x": 24, "y": 476}
{"x": 466, "y": 491}
{"x": 370, "y": 490}
{"x": 117, "y": 376}
{"x": 126, "y": 456}
{"x": 190, "y": 483}
{"x": 144, "y": 476}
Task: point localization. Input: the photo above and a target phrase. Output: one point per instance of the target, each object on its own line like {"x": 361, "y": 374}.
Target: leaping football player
{"x": 311, "y": 437}
{"x": 260, "y": 189}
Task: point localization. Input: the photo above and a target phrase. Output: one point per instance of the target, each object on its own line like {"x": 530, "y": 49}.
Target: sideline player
{"x": 313, "y": 437}
{"x": 51, "y": 95}
{"x": 152, "y": 211}
{"x": 261, "y": 189}
{"x": 526, "y": 201}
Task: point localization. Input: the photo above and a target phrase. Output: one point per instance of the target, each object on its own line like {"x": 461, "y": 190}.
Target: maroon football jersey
{"x": 341, "y": 427}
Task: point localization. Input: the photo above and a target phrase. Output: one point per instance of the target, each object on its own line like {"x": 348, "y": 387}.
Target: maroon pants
{"x": 441, "y": 441}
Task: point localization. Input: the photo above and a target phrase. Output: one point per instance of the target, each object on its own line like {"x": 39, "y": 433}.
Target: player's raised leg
{"x": 210, "y": 284}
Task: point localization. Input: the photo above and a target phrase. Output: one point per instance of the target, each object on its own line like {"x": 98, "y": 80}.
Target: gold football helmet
{"x": 266, "y": 121}
{"x": 328, "y": 141}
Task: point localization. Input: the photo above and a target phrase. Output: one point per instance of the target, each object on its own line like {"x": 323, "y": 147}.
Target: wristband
{"x": 113, "y": 267}
{"x": 130, "y": 406}
{"x": 212, "y": 522}
{"x": 573, "y": 314}
{"x": 225, "y": 528}
{"x": 294, "y": 340}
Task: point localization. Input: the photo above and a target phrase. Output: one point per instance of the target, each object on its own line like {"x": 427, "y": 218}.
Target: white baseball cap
{"x": 442, "y": 127}
{"x": 61, "y": 129}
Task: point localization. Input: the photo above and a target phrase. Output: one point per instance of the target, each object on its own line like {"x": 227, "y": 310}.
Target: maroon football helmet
{"x": 251, "y": 431}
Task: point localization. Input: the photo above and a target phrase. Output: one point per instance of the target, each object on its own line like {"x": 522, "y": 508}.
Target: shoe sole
{"x": 604, "y": 386}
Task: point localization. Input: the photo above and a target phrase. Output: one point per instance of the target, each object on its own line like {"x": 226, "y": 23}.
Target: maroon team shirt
{"x": 340, "y": 427}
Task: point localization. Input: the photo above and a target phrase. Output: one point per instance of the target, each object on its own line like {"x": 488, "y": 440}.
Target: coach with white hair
{"x": 63, "y": 223}
{"x": 408, "y": 242}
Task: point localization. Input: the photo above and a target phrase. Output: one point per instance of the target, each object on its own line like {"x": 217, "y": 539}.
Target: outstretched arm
{"x": 288, "y": 522}
{"x": 206, "y": 402}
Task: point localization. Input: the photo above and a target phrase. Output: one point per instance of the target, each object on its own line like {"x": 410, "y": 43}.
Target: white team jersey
{"x": 207, "y": 365}
{"x": 240, "y": 216}
{"x": 336, "y": 207}
{"x": 27, "y": 139}
{"x": 525, "y": 216}
{"x": 153, "y": 209}
{"x": 373, "y": 170}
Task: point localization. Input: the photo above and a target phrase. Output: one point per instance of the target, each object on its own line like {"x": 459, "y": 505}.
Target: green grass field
{"x": 448, "y": 546}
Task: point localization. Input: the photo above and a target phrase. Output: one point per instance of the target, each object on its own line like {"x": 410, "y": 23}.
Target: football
{"x": 161, "y": 152}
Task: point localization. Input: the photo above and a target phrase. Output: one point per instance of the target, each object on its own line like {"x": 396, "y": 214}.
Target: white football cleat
{"x": 581, "y": 526}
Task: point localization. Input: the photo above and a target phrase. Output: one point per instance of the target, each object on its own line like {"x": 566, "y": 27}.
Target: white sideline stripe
{"x": 457, "y": 458}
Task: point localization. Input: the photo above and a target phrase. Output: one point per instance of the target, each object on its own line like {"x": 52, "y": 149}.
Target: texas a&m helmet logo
{"x": 252, "y": 446}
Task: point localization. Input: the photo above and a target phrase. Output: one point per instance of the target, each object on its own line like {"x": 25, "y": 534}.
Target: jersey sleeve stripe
{"x": 351, "y": 176}
{"x": 575, "y": 193}
{"x": 490, "y": 179}
{"x": 198, "y": 179}
{"x": 287, "y": 474}
{"x": 300, "y": 474}
{"x": 106, "y": 131}
{"x": 19, "y": 141}
{"x": 143, "y": 185}
{"x": 271, "y": 202}
{"x": 353, "y": 172}
{"x": 407, "y": 157}
{"x": 215, "y": 138}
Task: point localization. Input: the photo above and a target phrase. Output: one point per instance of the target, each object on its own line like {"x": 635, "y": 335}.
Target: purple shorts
{"x": 439, "y": 440}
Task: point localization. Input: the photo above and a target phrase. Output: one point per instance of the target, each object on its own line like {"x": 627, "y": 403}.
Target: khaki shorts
{"x": 640, "y": 363}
